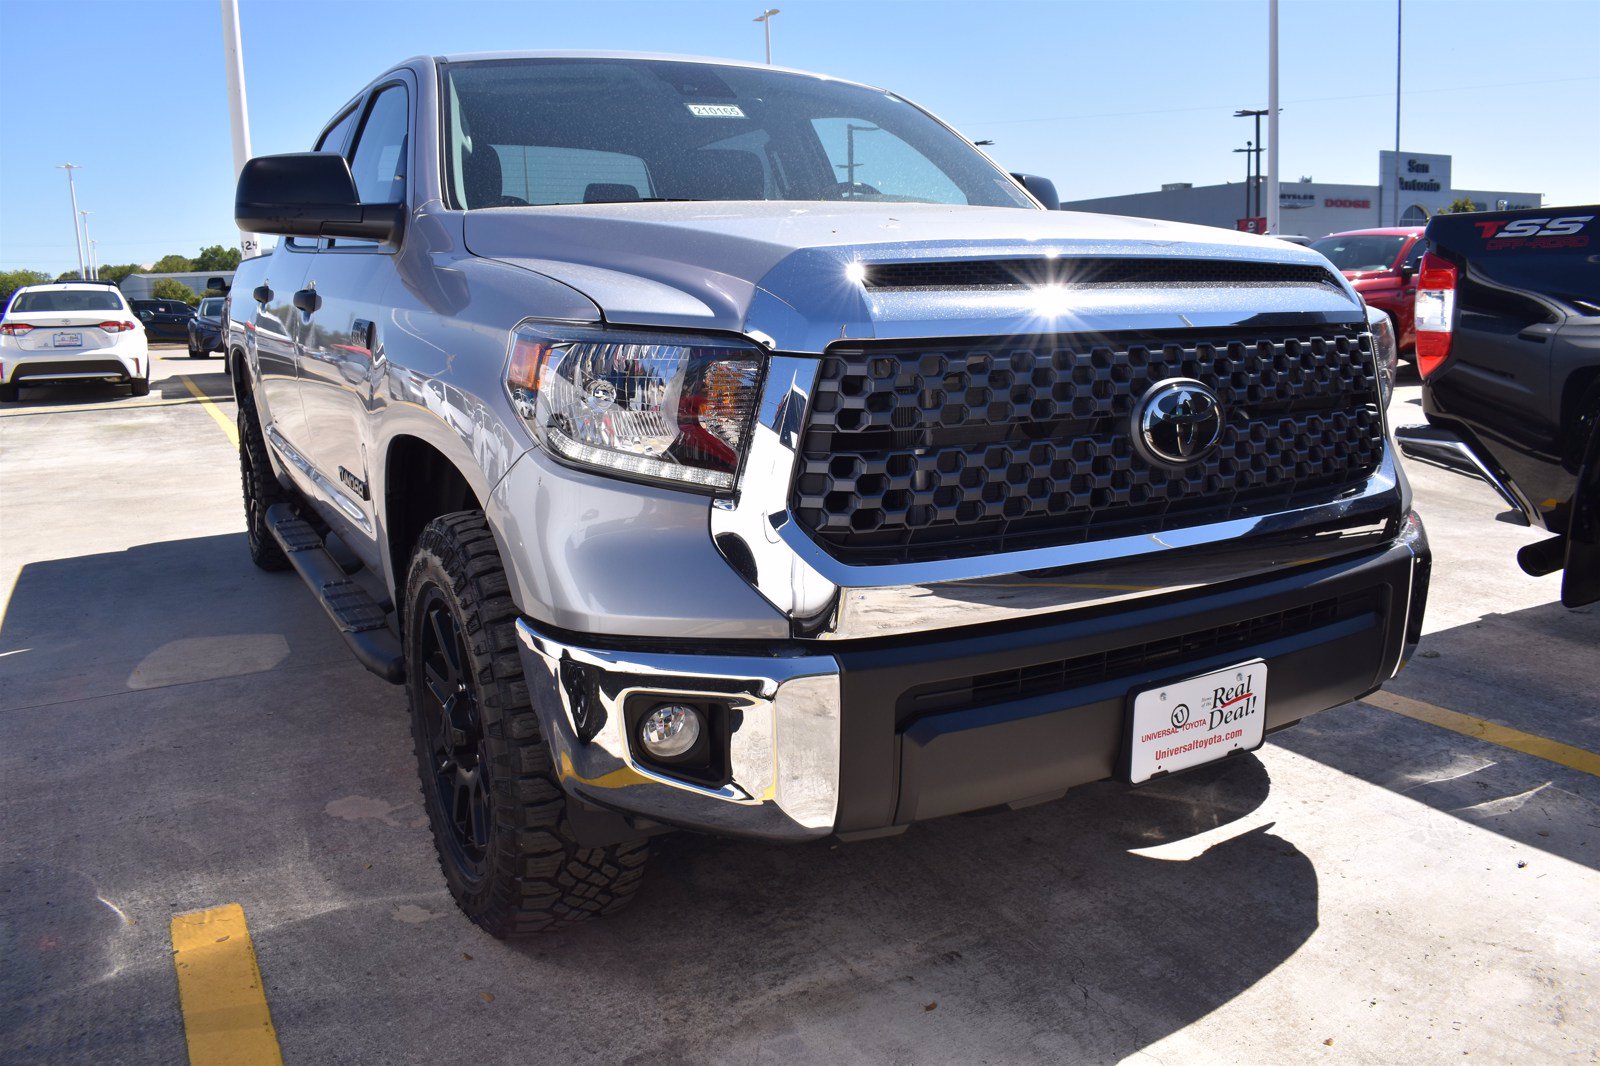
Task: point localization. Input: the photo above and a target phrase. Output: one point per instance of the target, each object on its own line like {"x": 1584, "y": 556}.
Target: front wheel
{"x": 498, "y": 815}
{"x": 260, "y": 487}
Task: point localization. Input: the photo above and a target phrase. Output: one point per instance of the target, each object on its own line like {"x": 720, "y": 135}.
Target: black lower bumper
{"x": 942, "y": 725}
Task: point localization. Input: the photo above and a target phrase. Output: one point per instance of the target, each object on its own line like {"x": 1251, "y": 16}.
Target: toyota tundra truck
{"x": 1508, "y": 343}
{"x": 715, "y": 447}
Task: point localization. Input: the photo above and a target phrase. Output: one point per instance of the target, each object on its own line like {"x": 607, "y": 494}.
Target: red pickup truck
{"x": 1381, "y": 264}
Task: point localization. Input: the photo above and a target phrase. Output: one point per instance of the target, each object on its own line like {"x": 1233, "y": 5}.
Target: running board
{"x": 1443, "y": 448}
{"x": 361, "y": 619}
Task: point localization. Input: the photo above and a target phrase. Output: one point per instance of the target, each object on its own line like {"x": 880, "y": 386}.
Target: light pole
{"x": 1242, "y": 113}
{"x": 1272, "y": 118}
{"x": 89, "y": 244}
{"x": 1399, "y": 27}
{"x": 77, "y": 237}
{"x": 765, "y": 18}
{"x": 238, "y": 109}
{"x": 1250, "y": 150}
{"x": 850, "y": 164}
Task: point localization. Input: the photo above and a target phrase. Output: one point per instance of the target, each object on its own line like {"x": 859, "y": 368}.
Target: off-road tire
{"x": 8, "y": 393}
{"x": 532, "y": 875}
{"x": 261, "y": 489}
{"x": 139, "y": 387}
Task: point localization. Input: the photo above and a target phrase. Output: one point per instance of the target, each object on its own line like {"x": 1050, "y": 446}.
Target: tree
{"x": 67, "y": 275}
{"x": 216, "y": 257}
{"x": 1460, "y": 206}
{"x": 117, "y": 271}
{"x": 170, "y": 289}
{"x": 171, "y": 264}
{"x": 12, "y": 280}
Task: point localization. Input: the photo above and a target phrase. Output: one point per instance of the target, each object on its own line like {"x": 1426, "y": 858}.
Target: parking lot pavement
{"x": 180, "y": 731}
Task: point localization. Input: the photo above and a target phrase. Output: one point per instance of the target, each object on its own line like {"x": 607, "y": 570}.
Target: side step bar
{"x": 1443, "y": 448}
{"x": 361, "y": 620}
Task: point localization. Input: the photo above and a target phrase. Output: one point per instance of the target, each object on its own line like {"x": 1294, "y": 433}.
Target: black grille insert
{"x": 926, "y": 275}
{"x": 1063, "y": 675}
{"x": 928, "y": 449}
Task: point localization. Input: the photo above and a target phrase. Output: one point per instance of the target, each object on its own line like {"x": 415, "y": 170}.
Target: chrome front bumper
{"x": 783, "y": 757}
{"x": 832, "y": 740}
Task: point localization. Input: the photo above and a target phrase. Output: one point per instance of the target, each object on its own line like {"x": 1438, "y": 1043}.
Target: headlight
{"x": 644, "y": 405}
{"x": 1387, "y": 350}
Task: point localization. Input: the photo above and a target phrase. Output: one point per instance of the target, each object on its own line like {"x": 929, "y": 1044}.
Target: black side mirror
{"x": 1043, "y": 190}
{"x": 1407, "y": 271}
{"x": 309, "y": 194}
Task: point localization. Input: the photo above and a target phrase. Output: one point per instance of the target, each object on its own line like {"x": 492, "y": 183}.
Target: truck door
{"x": 274, "y": 322}
{"x": 341, "y": 301}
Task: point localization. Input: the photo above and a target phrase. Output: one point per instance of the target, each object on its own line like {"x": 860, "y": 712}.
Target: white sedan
{"x": 71, "y": 331}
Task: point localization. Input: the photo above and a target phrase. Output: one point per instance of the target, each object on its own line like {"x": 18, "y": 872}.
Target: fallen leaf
{"x": 488, "y": 997}
{"x": 464, "y": 955}
{"x": 931, "y": 1006}
{"x": 1328, "y": 1042}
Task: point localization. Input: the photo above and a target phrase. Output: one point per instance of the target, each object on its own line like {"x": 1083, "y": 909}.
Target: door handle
{"x": 262, "y": 294}
{"x": 307, "y": 300}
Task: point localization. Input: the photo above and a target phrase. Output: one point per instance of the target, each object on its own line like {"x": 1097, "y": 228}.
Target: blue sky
{"x": 1104, "y": 97}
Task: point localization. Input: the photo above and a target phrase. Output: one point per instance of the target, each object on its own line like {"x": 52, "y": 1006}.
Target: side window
{"x": 378, "y": 161}
{"x": 333, "y": 139}
{"x": 337, "y": 134}
{"x": 870, "y": 163}
{"x": 1414, "y": 257}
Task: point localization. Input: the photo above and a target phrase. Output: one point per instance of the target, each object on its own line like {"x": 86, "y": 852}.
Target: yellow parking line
{"x": 213, "y": 410}
{"x": 1506, "y": 737}
{"x": 225, "y": 1016}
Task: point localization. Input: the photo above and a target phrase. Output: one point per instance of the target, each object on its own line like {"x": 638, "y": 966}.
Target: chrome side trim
{"x": 314, "y": 480}
{"x": 1443, "y": 448}
{"x": 783, "y": 749}
{"x": 832, "y": 600}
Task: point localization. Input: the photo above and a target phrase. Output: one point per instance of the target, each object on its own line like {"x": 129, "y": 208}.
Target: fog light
{"x": 670, "y": 730}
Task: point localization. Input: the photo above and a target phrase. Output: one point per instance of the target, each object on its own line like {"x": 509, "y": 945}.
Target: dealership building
{"x": 1417, "y": 185}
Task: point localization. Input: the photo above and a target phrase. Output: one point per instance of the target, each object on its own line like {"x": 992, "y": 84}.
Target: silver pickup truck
{"x": 717, "y": 447}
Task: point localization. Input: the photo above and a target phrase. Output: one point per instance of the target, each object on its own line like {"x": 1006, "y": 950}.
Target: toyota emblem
{"x": 1178, "y": 423}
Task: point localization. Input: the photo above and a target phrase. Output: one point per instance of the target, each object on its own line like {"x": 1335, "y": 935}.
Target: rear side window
{"x": 1361, "y": 252}
{"x": 46, "y": 300}
{"x": 378, "y": 162}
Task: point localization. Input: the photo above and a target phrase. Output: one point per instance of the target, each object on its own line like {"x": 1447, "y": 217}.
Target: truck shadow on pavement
{"x": 1532, "y": 670}
{"x": 1018, "y": 935}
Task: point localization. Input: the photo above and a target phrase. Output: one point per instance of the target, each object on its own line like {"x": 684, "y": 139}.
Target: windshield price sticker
{"x": 716, "y": 110}
{"x": 1197, "y": 721}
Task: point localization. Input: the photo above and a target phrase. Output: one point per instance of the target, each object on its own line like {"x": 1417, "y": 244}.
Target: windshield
{"x": 572, "y": 131}
{"x": 211, "y": 306}
{"x": 66, "y": 300}
{"x": 1359, "y": 253}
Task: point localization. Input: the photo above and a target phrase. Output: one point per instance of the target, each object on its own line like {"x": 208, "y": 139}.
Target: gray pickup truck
{"x": 716, "y": 447}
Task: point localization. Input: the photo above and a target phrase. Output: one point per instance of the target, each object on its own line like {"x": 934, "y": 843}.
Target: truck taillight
{"x": 14, "y": 329}
{"x": 1436, "y": 311}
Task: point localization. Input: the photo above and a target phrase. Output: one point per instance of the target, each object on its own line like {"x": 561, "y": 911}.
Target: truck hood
{"x": 782, "y": 270}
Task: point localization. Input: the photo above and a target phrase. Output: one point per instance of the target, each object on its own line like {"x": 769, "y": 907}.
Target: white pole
{"x": 77, "y": 237}
{"x": 1272, "y": 118}
{"x": 1399, "y": 25}
{"x": 94, "y": 251}
{"x": 238, "y": 109}
{"x": 89, "y": 244}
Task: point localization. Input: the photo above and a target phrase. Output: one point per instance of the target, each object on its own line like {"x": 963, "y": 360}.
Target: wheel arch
{"x": 420, "y": 483}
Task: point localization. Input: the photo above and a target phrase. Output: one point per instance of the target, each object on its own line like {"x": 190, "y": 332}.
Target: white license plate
{"x": 69, "y": 340}
{"x": 1197, "y": 720}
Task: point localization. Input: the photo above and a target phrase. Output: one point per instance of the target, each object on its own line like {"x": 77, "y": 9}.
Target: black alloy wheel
{"x": 454, "y": 732}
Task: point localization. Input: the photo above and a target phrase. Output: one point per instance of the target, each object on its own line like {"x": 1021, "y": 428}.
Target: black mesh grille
{"x": 1096, "y": 273}
{"x": 922, "y": 450}
{"x": 1061, "y": 675}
